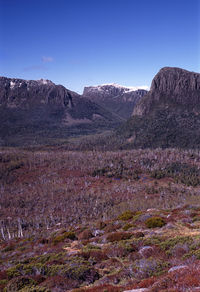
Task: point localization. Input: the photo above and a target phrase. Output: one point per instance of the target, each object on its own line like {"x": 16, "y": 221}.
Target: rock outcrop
{"x": 171, "y": 86}
{"x": 168, "y": 115}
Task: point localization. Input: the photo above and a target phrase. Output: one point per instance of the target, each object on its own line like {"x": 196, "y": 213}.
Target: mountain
{"x": 40, "y": 111}
{"x": 171, "y": 86}
{"x": 29, "y": 94}
{"x": 116, "y": 98}
{"x": 168, "y": 115}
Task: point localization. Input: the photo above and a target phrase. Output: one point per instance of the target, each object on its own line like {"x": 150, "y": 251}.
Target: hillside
{"x": 169, "y": 115}
{"x": 116, "y": 98}
{"x": 40, "y": 112}
{"x": 93, "y": 221}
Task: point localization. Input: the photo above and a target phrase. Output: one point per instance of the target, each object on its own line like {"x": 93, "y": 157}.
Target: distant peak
{"x": 105, "y": 87}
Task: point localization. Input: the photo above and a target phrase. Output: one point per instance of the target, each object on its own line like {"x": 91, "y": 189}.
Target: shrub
{"x": 13, "y": 271}
{"x": 95, "y": 254}
{"x": 149, "y": 267}
{"x": 70, "y": 235}
{"x": 172, "y": 242}
{"x": 117, "y": 236}
{"x": 127, "y": 226}
{"x": 17, "y": 284}
{"x": 59, "y": 283}
{"x": 86, "y": 234}
{"x": 154, "y": 222}
{"x": 127, "y": 215}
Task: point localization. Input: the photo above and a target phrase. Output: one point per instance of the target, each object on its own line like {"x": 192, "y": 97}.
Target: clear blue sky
{"x": 90, "y": 42}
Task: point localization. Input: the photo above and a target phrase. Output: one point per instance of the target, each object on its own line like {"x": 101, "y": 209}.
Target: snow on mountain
{"x": 115, "y": 97}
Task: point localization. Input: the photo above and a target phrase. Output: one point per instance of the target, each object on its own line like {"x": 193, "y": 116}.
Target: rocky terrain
{"x": 116, "y": 98}
{"x": 93, "y": 221}
{"x": 39, "y": 112}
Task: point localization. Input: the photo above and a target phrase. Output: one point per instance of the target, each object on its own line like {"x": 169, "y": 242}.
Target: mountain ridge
{"x": 32, "y": 111}
{"x": 117, "y": 98}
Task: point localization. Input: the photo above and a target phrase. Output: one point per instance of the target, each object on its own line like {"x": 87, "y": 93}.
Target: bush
{"x": 127, "y": 226}
{"x": 127, "y": 215}
{"x": 117, "y": 236}
{"x": 154, "y": 222}
{"x": 149, "y": 267}
{"x": 13, "y": 271}
{"x": 17, "y": 284}
{"x": 70, "y": 235}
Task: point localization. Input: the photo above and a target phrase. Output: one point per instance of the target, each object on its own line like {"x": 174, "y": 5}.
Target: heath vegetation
{"x": 99, "y": 221}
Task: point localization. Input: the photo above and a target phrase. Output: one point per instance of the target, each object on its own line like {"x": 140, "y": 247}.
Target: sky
{"x": 79, "y": 43}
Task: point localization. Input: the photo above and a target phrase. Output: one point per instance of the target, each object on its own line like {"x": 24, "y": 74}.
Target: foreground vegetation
{"x": 99, "y": 221}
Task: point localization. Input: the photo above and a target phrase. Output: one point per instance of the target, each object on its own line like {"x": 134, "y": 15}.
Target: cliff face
{"x": 118, "y": 99}
{"x": 27, "y": 93}
{"x": 171, "y": 86}
{"x": 168, "y": 115}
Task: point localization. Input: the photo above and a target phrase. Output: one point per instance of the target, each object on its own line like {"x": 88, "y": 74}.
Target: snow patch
{"x": 102, "y": 87}
{"x": 44, "y": 81}
{"x": 12, "y": 84}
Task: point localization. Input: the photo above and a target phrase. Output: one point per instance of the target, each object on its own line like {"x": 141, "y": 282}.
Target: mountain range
{"x": 33, "y": 111}
{"x": 118, "y": 99}
{"x": 40, "y": 112}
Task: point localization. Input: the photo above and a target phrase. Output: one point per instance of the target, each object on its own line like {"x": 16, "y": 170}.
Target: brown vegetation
{"x": 63, "y": 227}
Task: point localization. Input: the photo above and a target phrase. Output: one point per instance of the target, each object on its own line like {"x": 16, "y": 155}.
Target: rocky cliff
{"x": 168, "y": 115}
{"x": 171, "y": 86}
{"x": 118, "y": 99}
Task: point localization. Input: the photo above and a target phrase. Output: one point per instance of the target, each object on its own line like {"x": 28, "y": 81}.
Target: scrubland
{"x": 99, "y": 221}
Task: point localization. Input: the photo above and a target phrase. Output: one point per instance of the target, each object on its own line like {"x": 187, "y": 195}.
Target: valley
{"x": 94, "y": 198}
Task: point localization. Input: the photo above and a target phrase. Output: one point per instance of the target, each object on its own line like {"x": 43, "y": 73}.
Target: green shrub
{"x": 127, "y": 226}
{"x": 14, "y": 271}
{"x": 127, "y": 215}
{"x": 70, "y": 235}
{"x": 154, "y": 222}
{"x": 172, "y": 242}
